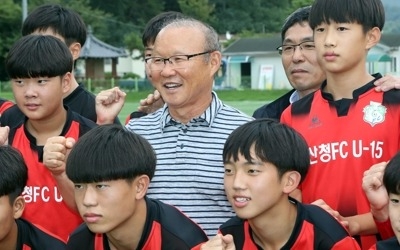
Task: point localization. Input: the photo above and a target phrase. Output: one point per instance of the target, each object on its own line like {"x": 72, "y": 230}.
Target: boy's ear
{"x": 291, "y": 181}
{"x": 373, "y": 37}
{"x": 75, "y": 49}
{"x": 18, "y": 207}
{"x": 66, "y": 82}
{"x": 141, "y": 185}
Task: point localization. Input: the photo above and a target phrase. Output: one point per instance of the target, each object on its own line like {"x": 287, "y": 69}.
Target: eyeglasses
{"x": 289, "y": 49}
{"x": 176, "y": 62}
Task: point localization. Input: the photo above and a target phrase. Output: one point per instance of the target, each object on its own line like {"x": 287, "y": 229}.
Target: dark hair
{"x": 38, "y": 56}
{"x": 13, "y": 172}
{"x": 298, "y": 16}
{"x": 110, "y": 152}
{"x": 155, "y": 24}
{"x": 273, "y": 142}
{"x": 391, "y": 177}
{"x": 64, "y": 22}
{"x": 368, "y": 13}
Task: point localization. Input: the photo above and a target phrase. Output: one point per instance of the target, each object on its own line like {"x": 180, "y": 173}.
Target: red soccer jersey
{"x": 165, "y": 228}
{"x": 44, "y": 204}
{"x": 314, "y": 229}
{"x": 4, "y": 105}
{"x": 32, "y": 238}
{"x": 345, "y": 139}
{"x": 389, "y": 244}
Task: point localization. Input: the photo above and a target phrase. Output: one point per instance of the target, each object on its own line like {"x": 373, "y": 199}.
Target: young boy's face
{"x": 252, "y": 188}
{"x": 105, "y": 206}
{"x": 7, "y": 223}
{"x": 40, "y": 98}
{"x": 394, "y": 214}
{"x": 340, "y": 46}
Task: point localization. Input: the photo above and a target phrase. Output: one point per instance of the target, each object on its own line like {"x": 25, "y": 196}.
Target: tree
{"x": 133, "y": 42}
{"x": 200, "y": 9}
{"x": 258, "y": 17}
{"x": 126, "y": 17}
{"x": 300, "y": 3}
{"x": 10, "y": 26}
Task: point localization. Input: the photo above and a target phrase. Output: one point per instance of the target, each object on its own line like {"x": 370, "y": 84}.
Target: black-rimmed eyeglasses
{"x": 177, "y": 61}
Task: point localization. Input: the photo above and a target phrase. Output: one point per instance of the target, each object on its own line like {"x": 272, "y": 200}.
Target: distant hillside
{"x": 392, "y": 12}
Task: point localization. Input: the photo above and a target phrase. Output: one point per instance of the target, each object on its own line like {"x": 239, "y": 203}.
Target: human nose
{"x": 168, "y": 69}
{"x": 238, "y": 181}
{"x": 330, "y": 37}
{"x": 297, "y": 53}
{"x": 89, "y": 197}
{"x": 30, "y": 90}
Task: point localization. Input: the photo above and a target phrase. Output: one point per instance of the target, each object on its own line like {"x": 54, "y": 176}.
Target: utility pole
{"x": 24, "y": 9}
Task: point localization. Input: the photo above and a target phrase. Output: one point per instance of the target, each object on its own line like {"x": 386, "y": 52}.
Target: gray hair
{"x": 210, "y": 35}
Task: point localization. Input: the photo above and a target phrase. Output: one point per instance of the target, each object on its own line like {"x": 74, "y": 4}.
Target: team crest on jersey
{"x": 374, "y": 113}
{"x": 315, "y": 122}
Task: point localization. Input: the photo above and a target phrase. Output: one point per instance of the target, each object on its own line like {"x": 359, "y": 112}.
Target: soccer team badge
{"x": 374, "y": 113}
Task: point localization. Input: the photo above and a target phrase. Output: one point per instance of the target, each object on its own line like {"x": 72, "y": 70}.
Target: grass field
{"x": 245, "y": 100}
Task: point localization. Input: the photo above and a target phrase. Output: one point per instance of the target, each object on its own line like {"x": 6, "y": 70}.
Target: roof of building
{"x": 94, "y": 48}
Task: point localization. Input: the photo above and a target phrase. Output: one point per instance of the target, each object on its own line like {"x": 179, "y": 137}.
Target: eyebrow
{"x": 247, "y": 163}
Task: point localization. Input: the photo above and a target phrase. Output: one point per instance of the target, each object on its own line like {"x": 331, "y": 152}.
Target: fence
{"x": 96, "y": 85}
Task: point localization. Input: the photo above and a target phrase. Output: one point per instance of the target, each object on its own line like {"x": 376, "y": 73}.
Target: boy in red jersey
{"x": 111, "y": 169}
{"x": 347, "y": 124}
{"x": 40, "y": 71}
{"x": 17, "y": 233}
{"x": 264, "y": 162}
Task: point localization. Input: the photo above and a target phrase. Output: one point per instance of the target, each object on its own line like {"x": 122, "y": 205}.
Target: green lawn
{"x": 244, "y": 100}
